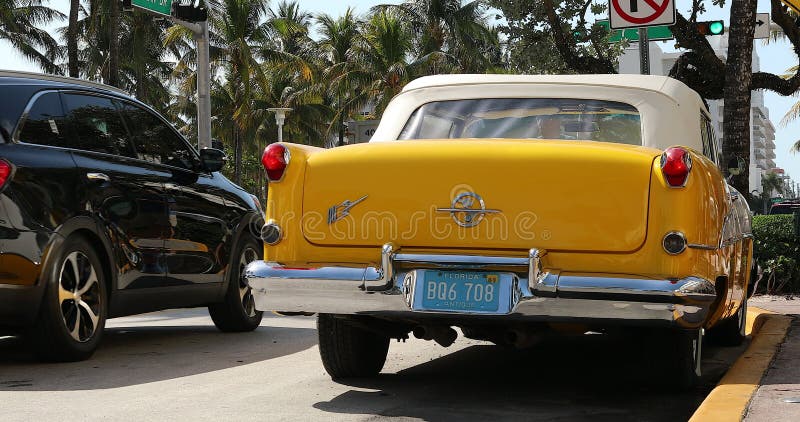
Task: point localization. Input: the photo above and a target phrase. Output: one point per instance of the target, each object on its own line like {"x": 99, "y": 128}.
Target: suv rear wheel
{"x": 350, "y": 351}
{"x": 73, "y": 310}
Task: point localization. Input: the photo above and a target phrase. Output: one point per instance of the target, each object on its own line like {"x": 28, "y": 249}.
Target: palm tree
{"x": 144, "y": 69}
{"x": 383, "y": 54}
{"x": 339, "y": 36}
{"x": 19, "y": 25}
{"x": 240, "y": 30}
{"x": 771, "y": 183}
{"x": 72, "y": 38}
{"x": 293, "y": 62}
{"x": 792, "y": 114}
{"x": 449, "y": 27}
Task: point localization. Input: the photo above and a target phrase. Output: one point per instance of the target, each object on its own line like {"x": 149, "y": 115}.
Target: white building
{"x": 762, "y": 147}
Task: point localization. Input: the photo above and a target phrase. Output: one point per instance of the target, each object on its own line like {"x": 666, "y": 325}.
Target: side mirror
{"x": 212, "y": 159}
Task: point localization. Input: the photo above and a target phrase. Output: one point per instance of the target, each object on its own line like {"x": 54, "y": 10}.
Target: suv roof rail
{"x": 57, "y": 78}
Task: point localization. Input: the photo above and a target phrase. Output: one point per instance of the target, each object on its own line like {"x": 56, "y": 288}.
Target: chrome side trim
{"x": 26, "y": 111}
{"x": 701, "y": 246}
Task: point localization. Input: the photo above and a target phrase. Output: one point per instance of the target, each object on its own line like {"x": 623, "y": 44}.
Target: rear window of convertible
{"x": 526, "y": 118}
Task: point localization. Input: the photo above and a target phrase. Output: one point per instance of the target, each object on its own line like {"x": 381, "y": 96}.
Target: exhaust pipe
{"x": 445, "y": 336}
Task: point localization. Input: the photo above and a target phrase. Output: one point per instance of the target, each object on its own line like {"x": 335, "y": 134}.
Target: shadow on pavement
{"x": 589, "y": 377}
{"x": 137, "y": 355}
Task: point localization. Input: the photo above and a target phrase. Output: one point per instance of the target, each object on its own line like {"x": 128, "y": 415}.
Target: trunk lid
{"x": 557, "y": 195}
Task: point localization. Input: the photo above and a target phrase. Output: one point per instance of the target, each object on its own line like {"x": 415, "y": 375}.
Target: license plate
{"x": 463, "y": 291}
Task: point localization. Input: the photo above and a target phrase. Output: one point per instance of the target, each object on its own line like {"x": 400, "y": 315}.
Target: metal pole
{"x": 203, "y": 88}
{"x": 280, "y": 133}
{"x": 644, "y": 52}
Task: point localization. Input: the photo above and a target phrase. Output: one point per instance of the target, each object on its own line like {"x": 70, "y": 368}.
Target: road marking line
{"x": 730, "y": 398}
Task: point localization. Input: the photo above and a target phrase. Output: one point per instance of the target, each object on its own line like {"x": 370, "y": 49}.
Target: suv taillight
{"x": 676, "y": 163}
{"x": 275, "y": 159}
{"x": 5, "y": 173}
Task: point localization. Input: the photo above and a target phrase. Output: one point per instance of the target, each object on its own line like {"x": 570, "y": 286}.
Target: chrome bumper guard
{"x": 537, "y": 294}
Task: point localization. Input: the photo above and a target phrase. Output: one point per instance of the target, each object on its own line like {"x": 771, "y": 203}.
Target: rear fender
{"x": 285, "y": 205}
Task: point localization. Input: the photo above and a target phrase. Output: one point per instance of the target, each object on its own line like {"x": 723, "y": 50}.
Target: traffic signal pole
{"x": 194, "y": 11}
{"x": 201, "y": 38}
{"x": 203, "y": 87}
{"x": 644, "y": 51}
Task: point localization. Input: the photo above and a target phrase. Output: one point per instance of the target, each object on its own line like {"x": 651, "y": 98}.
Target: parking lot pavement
{"x": 175, "y": 366}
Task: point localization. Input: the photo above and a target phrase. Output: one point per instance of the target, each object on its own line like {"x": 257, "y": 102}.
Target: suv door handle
{"x": 98, "y": 177}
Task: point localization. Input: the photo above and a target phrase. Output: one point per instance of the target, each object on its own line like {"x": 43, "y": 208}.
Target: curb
{"x": 729, "y": 399}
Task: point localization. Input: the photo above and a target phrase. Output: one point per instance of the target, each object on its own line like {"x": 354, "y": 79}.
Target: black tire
{"x": 348, "y": 351}
{"x": 672, "y": 358}
{"x": 237, "y": 313}
{"x": 685, "y": 366}
{"x": 731, "y": 331}
{"x": 74, "y": 307}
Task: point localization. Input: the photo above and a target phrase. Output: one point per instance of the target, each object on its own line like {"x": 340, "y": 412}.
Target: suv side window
{"x": 155, "y": 141}
{"x": 97, "y": 125}
{"x": 45, "y": 122}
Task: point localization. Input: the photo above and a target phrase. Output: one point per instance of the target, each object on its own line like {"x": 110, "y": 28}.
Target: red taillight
{"x": 676, "y": 163}
{"x": 5, "y": 173}
{"x": 275, "y": 160}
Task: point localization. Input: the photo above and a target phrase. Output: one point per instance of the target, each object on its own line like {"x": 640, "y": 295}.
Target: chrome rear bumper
{"x": 537, "y": 295}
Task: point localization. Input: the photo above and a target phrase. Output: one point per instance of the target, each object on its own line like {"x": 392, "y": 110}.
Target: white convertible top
{"x": 670, "y": 87}
{"x": 671, "y": 111}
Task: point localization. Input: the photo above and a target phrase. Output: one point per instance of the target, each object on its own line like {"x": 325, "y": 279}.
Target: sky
{"x": 776, "y": 57}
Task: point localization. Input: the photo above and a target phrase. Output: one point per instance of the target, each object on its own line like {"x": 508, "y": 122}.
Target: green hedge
{"x": 777, "y": 251}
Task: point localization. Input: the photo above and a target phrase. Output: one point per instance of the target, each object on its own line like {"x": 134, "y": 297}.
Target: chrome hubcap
{"x": 245, "y": 293}
{"x": 79, "y": 296}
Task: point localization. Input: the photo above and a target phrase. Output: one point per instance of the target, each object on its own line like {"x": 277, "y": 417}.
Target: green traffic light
{"x": 716, "y": 28}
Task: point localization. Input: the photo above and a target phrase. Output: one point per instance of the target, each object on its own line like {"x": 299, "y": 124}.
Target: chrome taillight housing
{"x": 676, "y": 164}
{"x": 275, "y": 160}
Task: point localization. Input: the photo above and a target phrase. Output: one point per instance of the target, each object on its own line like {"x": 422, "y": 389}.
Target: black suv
{"x": 107, "y": 211}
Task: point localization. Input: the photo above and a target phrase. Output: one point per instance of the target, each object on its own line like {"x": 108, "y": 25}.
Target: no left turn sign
{"x": 638, "y": 13}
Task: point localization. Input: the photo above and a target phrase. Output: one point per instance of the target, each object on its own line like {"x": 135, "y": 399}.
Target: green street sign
{"x": 655, "y": 33}
{"x": 162, "y": 7}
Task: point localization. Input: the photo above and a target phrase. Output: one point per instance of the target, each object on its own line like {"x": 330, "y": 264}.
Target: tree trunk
{"x": 738, "y": 76}
{"x": 237, "y": 157}
{"x": 72, "y": 39}
{"x": 113, "y": 44}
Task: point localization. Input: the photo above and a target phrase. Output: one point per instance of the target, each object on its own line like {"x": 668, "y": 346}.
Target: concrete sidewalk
{"x": 782, "y": 381}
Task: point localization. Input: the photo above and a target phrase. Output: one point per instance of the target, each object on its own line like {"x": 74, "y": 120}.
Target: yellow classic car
{"x": 512, "y": 207}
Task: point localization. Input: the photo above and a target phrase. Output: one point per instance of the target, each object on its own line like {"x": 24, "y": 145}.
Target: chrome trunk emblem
{"x": 468, "y": 209}
{"x": 338, "y": 212}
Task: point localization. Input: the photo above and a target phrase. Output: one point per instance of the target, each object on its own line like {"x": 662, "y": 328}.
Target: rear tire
{"x": 731, "y": 331}
{"x": 74, "y": 307}
{"x": 237, "y": 313}
{"x": 349, "y": 351}
{"x": 686, "y": 369}
{"x": 673, "y": 357}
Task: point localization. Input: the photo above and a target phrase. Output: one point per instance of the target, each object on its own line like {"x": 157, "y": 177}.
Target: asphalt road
{"x": 175, "y": 366}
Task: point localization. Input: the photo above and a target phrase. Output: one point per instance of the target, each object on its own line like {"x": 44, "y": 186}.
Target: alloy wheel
{"x": 79, "y": 296}
{"x": 245, "y": 293}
